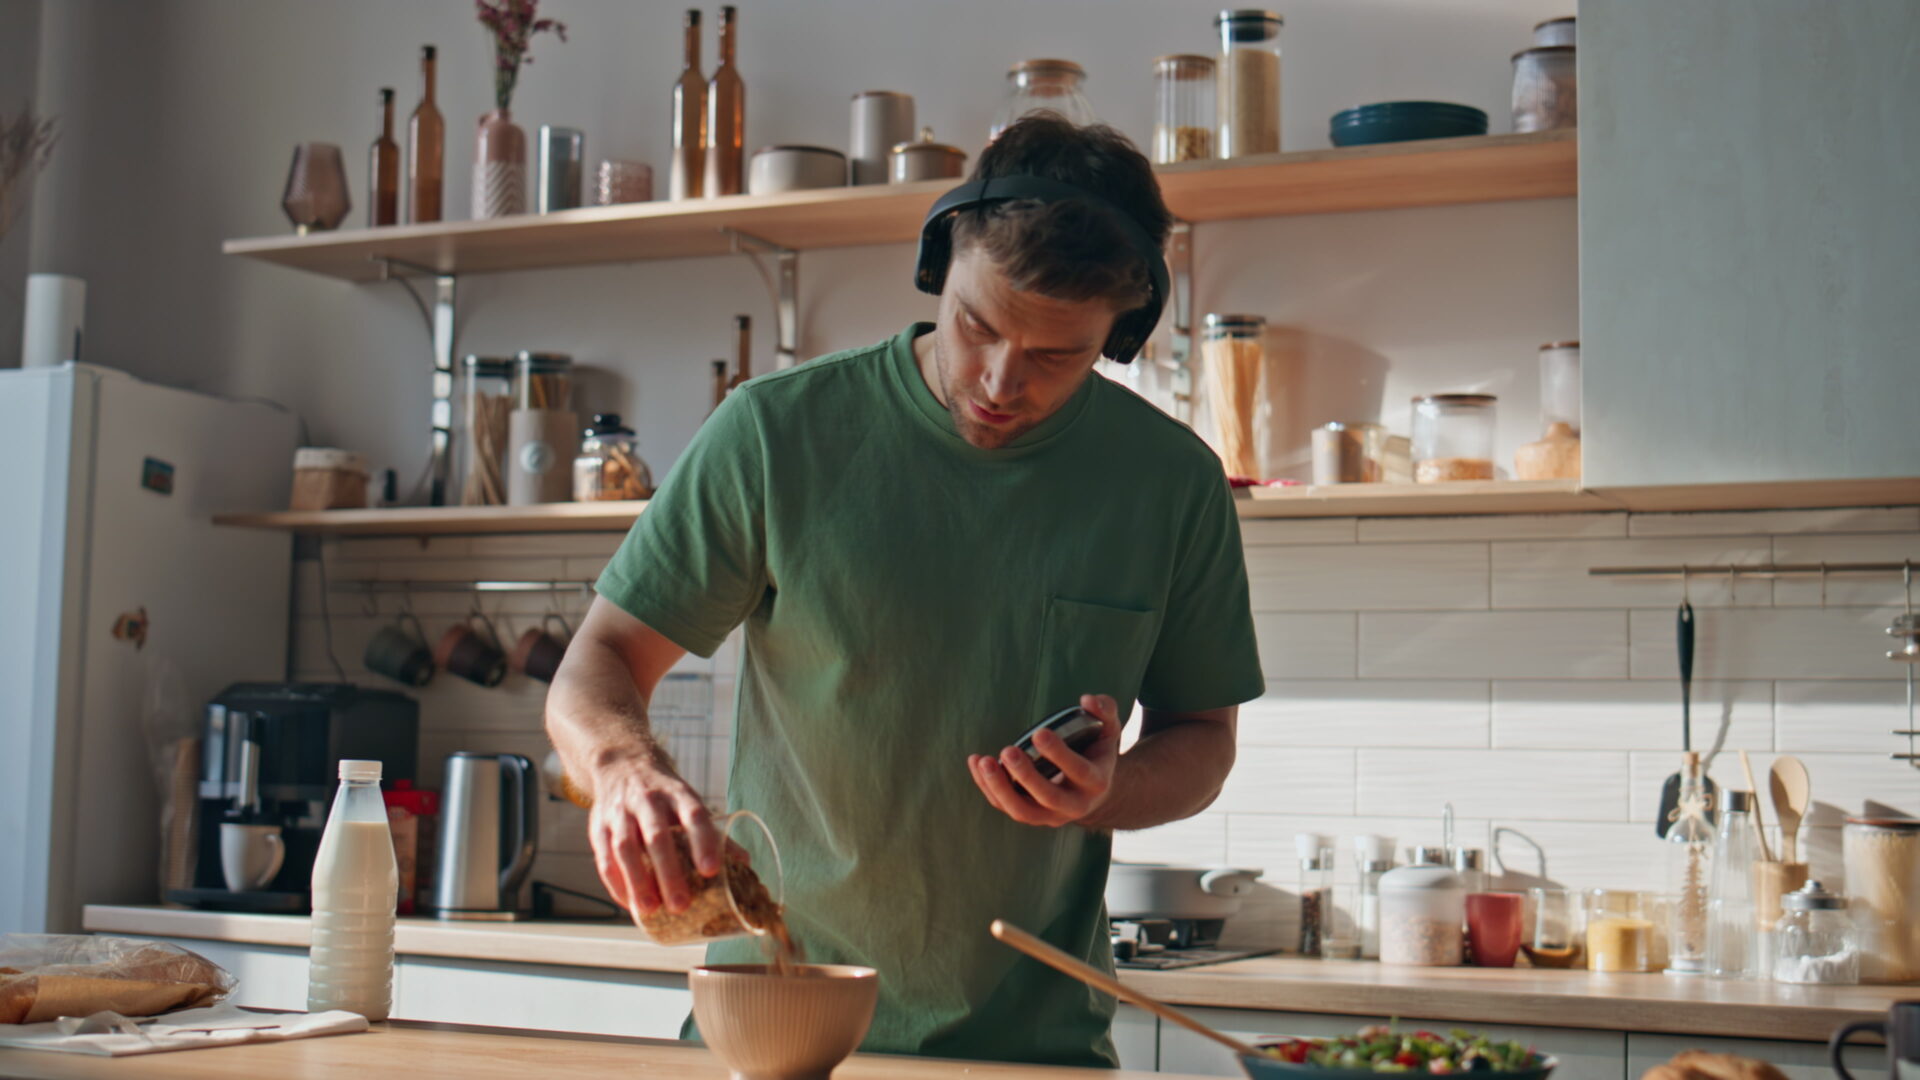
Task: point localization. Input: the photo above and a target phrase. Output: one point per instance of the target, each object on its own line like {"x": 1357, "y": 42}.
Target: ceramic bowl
{"x": 795, "y": 168}
{"x": 783, "y": 1027}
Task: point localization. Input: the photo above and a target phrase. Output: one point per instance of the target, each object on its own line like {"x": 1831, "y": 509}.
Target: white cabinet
{"x": 1136, "y": 1035}
{"x": 596, "y": 1001}
{"x": 1799, "y": 1060}
{"x": 1747, "y": 240}
{"x": 1584, "y": 1055}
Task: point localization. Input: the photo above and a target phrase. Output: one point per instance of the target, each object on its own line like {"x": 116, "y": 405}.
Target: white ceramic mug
{"x": 250, "y": 855}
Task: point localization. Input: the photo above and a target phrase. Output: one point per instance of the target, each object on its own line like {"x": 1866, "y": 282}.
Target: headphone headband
{"x": 1130, "y": 328}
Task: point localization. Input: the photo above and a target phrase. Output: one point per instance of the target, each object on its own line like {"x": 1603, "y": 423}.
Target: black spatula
{"x": 1670, "y": 793}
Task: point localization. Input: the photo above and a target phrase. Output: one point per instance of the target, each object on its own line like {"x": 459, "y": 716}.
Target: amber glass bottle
{"x": 383, "y": 168}
{"x": 726, "y": 118}
{"x": 426, "y": 149}
{"x": 689, "y": 120}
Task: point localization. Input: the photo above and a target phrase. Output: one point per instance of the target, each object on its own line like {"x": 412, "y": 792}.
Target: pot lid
{"x": 926, "y": 145}
{"x": 1421, "y": 879}
{"x": 1812, "y": 896}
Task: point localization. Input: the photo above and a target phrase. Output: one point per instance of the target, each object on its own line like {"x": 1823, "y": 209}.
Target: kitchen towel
{"x": 110, "y": 1034}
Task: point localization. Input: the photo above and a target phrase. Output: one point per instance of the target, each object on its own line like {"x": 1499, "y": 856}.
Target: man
{"x": 934, "y": 542}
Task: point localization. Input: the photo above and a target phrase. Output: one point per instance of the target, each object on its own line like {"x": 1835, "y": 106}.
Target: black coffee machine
{"x": 271, "y": 755}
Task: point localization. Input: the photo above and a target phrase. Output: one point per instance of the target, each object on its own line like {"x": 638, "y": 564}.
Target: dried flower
{"x": 26, "y": 144}
{"x": 512, "y": 23}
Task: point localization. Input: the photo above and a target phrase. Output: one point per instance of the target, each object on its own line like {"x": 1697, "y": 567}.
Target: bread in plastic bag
{"x": 48, "y": 976}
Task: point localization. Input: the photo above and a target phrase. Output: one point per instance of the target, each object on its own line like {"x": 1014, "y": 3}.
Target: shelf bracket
{"x": 440, "y": 329}
{"x": 1180, "y": 366}
{"x": 785, "y": 290}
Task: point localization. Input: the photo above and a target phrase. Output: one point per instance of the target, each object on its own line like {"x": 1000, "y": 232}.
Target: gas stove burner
{"x": 1165, "y": 944}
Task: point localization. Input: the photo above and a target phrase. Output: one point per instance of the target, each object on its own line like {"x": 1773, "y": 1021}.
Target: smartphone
{"x": 1079, "y": 728}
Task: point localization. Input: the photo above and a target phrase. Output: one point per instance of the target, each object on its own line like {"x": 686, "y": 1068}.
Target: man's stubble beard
{"x": 974, "y": 432}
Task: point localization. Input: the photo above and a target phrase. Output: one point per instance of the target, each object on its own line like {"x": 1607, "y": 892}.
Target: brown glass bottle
{"x": 383, "y": 169}
{"x": 689, "y": 120}
{"x": 426, "y": 149}
{"x": 726, "y": 118}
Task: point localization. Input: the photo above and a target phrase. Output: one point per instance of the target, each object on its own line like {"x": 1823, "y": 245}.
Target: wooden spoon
{"x": 1100, "y": 980}
{"x": 1792, "y": 790}
{"x": 1759, "y": 829}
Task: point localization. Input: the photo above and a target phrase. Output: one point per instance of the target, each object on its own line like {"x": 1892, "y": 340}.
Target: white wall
{"x": 1748, "y": 239}
{"x": 183, "y": 114}
{"x": 19, "y": 48}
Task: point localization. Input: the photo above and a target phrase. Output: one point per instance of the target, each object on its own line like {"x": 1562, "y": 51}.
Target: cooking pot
{"x": 1158, "y": 891}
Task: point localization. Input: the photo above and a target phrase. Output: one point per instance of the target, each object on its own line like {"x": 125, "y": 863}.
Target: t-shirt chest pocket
{"x": 1091, "y": 649}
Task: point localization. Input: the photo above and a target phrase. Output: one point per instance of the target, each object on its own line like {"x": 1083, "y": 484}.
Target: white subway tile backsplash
{"x": 1768, "y": 643}
{"x": 1283, "y": 780}
{"x": 1881, "y": 589}
{"x": 1325, "y": 712}
{"x": 1412, "y": 662}
{"x": 1840, "y": 716}
{"x": 1775, "y": 522}
{"x": 1842, "y": 784}
{"x": 1348, "y": 577}
{"x": 1553, "y": 574}
{"x": 1494, "y": 645}
{"x": 1494, "y": 527}
{"x": 1539, "y": 784}
{"x": 1297, "y": 531}
{"x": 1198, "y": 841}
{"x": 1547, "y": 714}
{"x": 1305, "y": 646}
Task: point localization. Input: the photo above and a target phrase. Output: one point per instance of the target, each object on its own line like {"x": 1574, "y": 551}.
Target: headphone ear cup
{"x": 936, "y": 251}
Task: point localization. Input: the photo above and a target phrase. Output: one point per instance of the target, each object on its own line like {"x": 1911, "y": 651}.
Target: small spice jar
{"x": 328, "y": 479}
{"x": 1814, "y": 941}
{"x": 1184, "y": 101}
{"x": 1544, "y": 96}
{"x": 1051, "y": 85}
{"x": 1248, "y": 85}
{"x": 1316, "y": 890}
{"x": 1423, "y": 916}
{"x": 609, "y": 465}
{"x": 1453, "y": 437}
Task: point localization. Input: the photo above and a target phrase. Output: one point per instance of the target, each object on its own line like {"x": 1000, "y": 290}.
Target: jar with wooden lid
{"x": 1184, "y": 105}
{"x": 1044, "y": 85}
{"x": 1453, "y": 437}
{"x": 325, "y": 478}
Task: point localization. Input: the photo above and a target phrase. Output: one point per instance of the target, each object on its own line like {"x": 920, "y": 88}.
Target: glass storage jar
{"x": 609, "y": 465}
{"x": 1423, "y": 917}
{"x": 1882, "y": 857}
{"x": 1619, "y": 933}
{"x": 1316, "y": 890}
{"x": 1453, "y": 437}
{"x": 543, "y": 434}
{"x": 542, "y": 381}
{"x": 1051, "y": 85}
{"x": 1543, "y": 89}
{"x": 1183, "y": 118}
{"x": 1233, "y": 353}
{"x": 1559, "y": 938}
{"x": 1814, "y": 941}
{"x": 1248, "y": 83}
{"x": 486, "y": 397}
{"x": 1731, "y": 930}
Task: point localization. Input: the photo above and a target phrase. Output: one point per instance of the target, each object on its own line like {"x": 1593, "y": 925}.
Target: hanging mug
{"x": 537, "y": 654}
{"x": 470, "y": 654}
{"x": 400, "y": 653}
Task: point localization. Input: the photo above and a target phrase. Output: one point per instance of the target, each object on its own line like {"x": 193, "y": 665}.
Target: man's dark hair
{"x": 1067, "y": 250}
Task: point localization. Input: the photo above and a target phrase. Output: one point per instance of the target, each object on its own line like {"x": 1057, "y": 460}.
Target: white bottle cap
{"x": 1312, "y": 846}
{"x": 359, "y": 770}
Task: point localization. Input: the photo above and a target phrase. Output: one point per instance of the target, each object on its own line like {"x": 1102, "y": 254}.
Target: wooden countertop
{"x": 448, "y": 1050}
{"x": 1575, "y": 999}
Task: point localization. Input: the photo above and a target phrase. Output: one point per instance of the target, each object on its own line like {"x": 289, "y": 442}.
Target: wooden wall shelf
{"x": 1350, "y": 500}
{"x": 1437, "y": 172}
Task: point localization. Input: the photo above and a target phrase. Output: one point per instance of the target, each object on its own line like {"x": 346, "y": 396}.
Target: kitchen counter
{"x": 446, "y": 1050}
{"x": 1571, "y": 999}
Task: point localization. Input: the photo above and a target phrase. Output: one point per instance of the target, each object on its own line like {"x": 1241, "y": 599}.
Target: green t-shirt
{"x": 911, "y": 599}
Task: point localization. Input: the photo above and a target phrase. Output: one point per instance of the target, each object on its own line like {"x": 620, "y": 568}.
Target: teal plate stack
{"x": 1403, "y": 121}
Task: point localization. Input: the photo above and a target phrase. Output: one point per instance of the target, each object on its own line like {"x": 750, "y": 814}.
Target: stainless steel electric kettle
{"x": 488, "y": 834}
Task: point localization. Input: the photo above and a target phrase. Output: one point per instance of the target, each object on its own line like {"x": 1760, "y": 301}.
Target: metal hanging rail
{"x": 1751, "y": 570}
{"x": 489, "y": 586}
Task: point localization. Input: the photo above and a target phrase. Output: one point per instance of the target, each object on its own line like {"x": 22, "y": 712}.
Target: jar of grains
{"x": 1882, "y": 857}
{"x": 1423, "y": 915}
{"x": 1183, "y": 116}
{"x": 1453, "y": 437}
{"x": 1249, "y": 83}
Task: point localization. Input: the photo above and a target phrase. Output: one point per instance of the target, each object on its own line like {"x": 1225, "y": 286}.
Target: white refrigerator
{"x": 118, "y": 596}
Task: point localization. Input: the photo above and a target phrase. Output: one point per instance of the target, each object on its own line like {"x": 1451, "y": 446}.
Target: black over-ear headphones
{"x": 1130, "y": 330}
